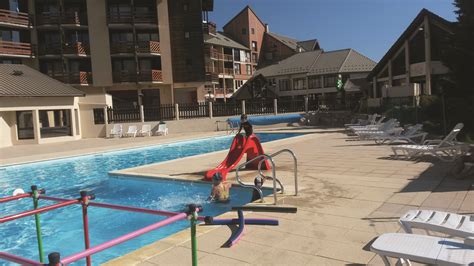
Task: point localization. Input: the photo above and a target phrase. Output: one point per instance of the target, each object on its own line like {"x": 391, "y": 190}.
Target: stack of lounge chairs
{"x": 133, "y": 131}
{"x": 455, "y": 247}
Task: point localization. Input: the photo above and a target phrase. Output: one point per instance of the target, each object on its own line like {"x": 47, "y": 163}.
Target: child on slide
{"x": 220, "y": 190}
{"x": 245, "y": 125}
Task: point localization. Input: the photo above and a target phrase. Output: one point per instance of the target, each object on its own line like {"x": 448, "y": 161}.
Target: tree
{"x": 459, "y": 58}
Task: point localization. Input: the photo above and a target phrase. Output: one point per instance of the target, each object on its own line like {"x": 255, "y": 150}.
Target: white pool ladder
{"x": 269, "y": 158}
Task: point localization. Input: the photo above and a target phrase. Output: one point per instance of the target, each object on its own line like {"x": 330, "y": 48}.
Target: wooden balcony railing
{"x": 16, "y": 18}
{"x": 212, "y": 77}
{"x": 80, "y": 77}
{"x": 77, "y": 48}
{"x": 54, "y": 18}
{"x": 152, "y": 75}
{"x": 122, "y": 48}
{"x": 209, "y": 27}
{"x": 140, "y": 17}
{"x": 228, "y": 57}
{"x": 151, "y": 47}
{"x": 16, "y": 48}
{"x": 228, "y": 71}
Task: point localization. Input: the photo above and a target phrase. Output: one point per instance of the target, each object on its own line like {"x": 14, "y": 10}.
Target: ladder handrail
{"x": 295, "y": 165}
{"x": 265, "y": 157}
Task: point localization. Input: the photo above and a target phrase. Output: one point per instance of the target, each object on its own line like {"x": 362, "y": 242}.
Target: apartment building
{"x": 266, "y": 47}
{"x": 314, "y": 74}
{"x": 412, "y": 66}
{"x": 147, "y": 52}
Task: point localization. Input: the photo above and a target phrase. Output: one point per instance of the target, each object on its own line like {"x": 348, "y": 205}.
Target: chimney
{"x": 267, "y": 28}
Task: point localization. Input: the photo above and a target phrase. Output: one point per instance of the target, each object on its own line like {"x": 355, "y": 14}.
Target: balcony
{"x": 209, "y": 28}
{"x": 125, "y": 47}
{"x": 228, "y": 71}
{"x": 49, "y": 49}
{"x": 20, "y": 49}
{"x": 67, "y": 18}
{"x": 212, "y": 53}
{"x": 149, "y": 47}
{"x": 152, "y": 75}
{"x": 75, "y": 78}
{"x": 77, "y": 48}
{"x": 228, "y": 57}
{"x": 137, "y": 17}
{"x": 126, "y": 76}
{"x": 20, "y": 19}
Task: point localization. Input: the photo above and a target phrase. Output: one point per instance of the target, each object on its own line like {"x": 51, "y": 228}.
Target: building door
{"x": 24, "y": 122}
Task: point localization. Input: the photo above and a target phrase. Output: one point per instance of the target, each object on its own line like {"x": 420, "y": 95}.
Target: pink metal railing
{"x": 15, "y": 48}
{"x": 12, "y": 17}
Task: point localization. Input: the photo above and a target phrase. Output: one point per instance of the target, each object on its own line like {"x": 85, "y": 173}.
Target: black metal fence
{"x": 99, "y": 116}
{"x": 124, "y": 115}
{"x": 193, "y": 110}
{"x": 227, "y": 109}
{"x": 291, "y": 106}
{"x": 159, "y": 113}
{"x": 259, "y": 107}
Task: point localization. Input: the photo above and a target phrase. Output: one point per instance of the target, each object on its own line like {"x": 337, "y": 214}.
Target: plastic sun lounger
{"x": 363, "y": 122}
{"x": 132, "y": 131}
{"x": 447, "y": 147}
{"x": 444, "y": 222}
{"x": 116, "y": 131}
{"x": 376, "y": 127}
{"x": 371, "y": 125}
{"x": 162, "y": 130}
{"x": 146, "y": 130}
{"x": 424, "y": 249}
{"x": 409, "y": 135}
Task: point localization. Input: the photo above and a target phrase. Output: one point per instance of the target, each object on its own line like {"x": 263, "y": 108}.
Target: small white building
{"x": 35, "y": 108}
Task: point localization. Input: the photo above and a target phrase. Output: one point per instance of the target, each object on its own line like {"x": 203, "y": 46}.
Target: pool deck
{"x": 349, "y": 193}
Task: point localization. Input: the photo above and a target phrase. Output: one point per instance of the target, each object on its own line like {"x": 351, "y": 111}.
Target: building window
{"x": 249, "y": 69}
{"x": 252, "y": 30}
{"x": 237, "y": 69}
{"x": 254, "y": 46}
{"x": 284, "y": 85}
{"x": 314, "y": 82}
{"x": 186, "y": 35}
{"x": 244, "y": 31}
{"x": 99, "y": 116}
{"x": 299, "y": 84}
{"x": 330, "y": 81}
{"x": 24, "y": 122}
{"x": 55, "y": 123}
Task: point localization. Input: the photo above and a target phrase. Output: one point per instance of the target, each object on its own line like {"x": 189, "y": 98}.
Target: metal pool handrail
{"x": 295, "y": 166}
{"x": 265, "y": 157}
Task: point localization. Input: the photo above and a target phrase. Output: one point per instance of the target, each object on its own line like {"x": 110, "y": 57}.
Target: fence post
{"x": 306, "y": 107}
{"x": 106, "y": 121}
{"x": 275, "y": 106}
{"x": 176, "y": 109}
{"x": 142, "y": 114}
{"x": 210, "y": 109}
{"x": 243, "y": 106}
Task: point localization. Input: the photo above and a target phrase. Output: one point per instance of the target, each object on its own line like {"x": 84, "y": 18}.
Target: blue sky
{"x": 368, "y": 26}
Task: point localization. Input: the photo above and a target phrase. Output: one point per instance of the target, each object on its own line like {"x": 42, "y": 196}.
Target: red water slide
{"x": 240, "y": 146}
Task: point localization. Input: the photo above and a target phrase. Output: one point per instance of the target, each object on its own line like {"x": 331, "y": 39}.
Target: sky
{"x": 368, "y": 26}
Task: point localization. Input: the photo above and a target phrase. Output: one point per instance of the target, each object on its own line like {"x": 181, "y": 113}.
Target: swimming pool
{"x": 62, "y": 228}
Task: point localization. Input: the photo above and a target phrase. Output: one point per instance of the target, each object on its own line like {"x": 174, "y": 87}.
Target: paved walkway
{"x": 350, "y": 192}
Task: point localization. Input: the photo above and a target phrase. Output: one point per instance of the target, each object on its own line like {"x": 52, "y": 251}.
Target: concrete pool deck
{"x": 349, "y": 193}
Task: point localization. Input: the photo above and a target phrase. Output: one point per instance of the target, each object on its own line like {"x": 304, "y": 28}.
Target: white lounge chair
{"x": 386, "y": 129}
{"x": 363, "y": 122}
{"x": 371, "y": 126}
{"x": 376, "y": 127}
{"x": 132, "y": 131}
{"x": 447, "y": 149}
{"x": 145, "y": 131}
{"x": 424, "y": 249}
{"x": 116, "y": 131}
{"x": 444, "y": 222}
{"x": 409, "y": 135}
{"x": 162, "y": 130}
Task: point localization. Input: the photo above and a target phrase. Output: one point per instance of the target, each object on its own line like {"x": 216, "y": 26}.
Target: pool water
{"x": 62, "y": 228}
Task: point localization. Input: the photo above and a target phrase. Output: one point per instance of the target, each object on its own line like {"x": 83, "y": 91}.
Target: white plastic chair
{"x": 409, "y": 135}
{"x": 132, "y": 131}
{"x": 116, "y": 131}
{"x": 162, "y": 130}
{"x": 146, "y": 130}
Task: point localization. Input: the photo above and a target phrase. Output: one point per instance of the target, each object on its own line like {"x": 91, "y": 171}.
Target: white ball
{"x": 18, "y": 191}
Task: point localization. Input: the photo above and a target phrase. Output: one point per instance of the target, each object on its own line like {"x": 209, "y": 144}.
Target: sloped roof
{"x": 319, "y": 62}
{"x": 222, "y": 39}
{"x": 309, "y": 45}
{"x": 22, "y": 81}
{"x": 356, "y": 62}
{"x": 242, "y": 11}
{"x": 297, "y": 63}
{"x": 290, "y": 42}
{"x": 406, "y": 34}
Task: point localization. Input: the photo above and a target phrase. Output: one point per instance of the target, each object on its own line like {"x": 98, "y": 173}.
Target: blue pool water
{"x": 62, "y": 228}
